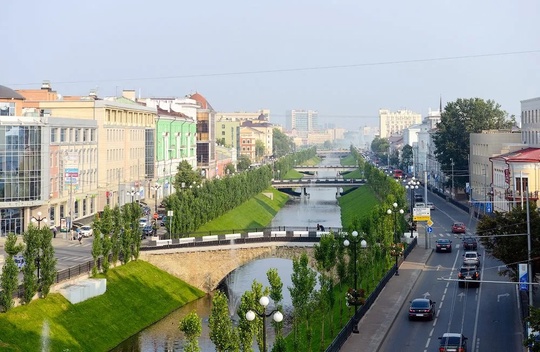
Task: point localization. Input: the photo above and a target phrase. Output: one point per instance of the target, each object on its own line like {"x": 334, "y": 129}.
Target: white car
{"x": 430, "y": 205}
{"x": 86, "y": 231}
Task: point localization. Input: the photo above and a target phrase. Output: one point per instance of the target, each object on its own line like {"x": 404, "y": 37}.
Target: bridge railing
{"x": 244, "y": 236}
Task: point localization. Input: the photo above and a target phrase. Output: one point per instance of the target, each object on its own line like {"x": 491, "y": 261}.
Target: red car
{"x": 458, "y": 227}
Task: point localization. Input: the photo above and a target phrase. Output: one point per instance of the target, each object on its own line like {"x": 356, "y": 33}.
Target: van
{"x": 418, "y": 198}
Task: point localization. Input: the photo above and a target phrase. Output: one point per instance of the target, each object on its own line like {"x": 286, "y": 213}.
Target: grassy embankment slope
{"x": 138, "y": 294}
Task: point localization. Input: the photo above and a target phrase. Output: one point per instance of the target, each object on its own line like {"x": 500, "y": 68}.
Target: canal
{"x": 318, "y": 207}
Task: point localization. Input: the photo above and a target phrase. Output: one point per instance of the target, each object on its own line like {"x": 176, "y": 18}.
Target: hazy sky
{"x": 345, "y": 59}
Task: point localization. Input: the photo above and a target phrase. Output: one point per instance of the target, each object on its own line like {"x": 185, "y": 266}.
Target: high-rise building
{"x": 391, "y": 123}
{"x": 303, "y": 121}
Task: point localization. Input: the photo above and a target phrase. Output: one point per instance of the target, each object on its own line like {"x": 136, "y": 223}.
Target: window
{"x": 62, "y": 135}
{"x": 77, "y": 135}
{"x": 54, "y": 133}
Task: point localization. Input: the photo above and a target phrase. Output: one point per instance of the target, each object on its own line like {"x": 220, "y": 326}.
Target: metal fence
{"x": 344, "y": 334}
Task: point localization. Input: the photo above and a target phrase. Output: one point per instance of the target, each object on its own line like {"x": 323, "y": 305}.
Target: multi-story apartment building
{"x": 125, "y": 134}
{"x": 175, "y": 141}
{"x": 303, "y": 121}
{"x": 395, "y": 122}
{"x": 483, "y": 146}
{"x": 206, "y": 136}
{"x": 228, "y": 132}
{"x": 530, "y": 122}
{"x": 242, "y": 116}
{"x": 24, "y": 153}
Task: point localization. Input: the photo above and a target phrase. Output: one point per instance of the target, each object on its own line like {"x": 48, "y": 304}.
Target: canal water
{"x": 318, "y": 207}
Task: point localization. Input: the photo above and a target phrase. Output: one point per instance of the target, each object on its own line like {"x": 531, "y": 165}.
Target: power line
{"x": 297, "y": 69}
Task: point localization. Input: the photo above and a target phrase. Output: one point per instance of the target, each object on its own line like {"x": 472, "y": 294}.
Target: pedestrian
{"x": 54, "y": 231}
{"x": 322, "y": 228}
{"x": 79, "y": 237}
{"x": 318, "y": 227}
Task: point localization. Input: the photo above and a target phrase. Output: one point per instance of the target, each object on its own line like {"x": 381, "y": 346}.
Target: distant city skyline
{"x": 344, "y": 59}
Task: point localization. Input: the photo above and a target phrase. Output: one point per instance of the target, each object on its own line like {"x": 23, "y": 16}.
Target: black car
{"x": 418, "y": 198}
{"x": 454, "y": 342}
{"x": 422, "y": 308}
{"x": 468, "y": 273}
{"x": 443, "y": 245}
{"x": 470, "y": 243}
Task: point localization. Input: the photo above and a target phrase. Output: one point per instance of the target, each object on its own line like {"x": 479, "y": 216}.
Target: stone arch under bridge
{"x": 205, "y": 268}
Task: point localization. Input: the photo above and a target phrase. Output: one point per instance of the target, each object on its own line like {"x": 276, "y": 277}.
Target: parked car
{"x": 443, "y": 245}
{"x": 148, "y": 230}
{"x": 454, "y": 342}
{"x": 163, "y": 221}
{"x": 430, "y": 205}
{"x": 458, "y": 227}
{"x": 422, "y": 308}
{"x": 143, "y": 222}
{"x": 468, "y": 273}
{"x": 470, "y": 243}
{"x": 19, "y": 261}
{"x": 86, "y": 231}
{"x": 471, "y": 258}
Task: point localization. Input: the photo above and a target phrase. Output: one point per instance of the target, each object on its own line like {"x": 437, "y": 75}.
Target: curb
{"x": 403, "y": 303}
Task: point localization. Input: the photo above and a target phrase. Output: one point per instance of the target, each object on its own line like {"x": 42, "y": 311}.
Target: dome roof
{"x": 8, "y": 93}
{"x": 262, "y": 117}
{"x": 201, "y": 100}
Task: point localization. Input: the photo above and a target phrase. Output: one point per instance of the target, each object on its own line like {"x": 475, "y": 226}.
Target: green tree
{"x": 47, "y": 262}
{"x": 303, "y": 280}
{"x": 191, "y": 326}
{"x": 229, "y": 169}
{"x": 282, "y": 144}
{"x": 31, "y": 239}
{"x": 107, "y": 246}
{"x": 186, "y": 176}
{"x": 220, "y": 324}
{"x": 260, "y": 149}
{"x": 244, "y": 162}
{"x": 534, "y": 324}
{"x": 496, "y": 236}
{"x": 452, "y": 138}
{"x": 276, "y": 294}
{"x": 97, "y": 250}
{"x": 116, "y": 230}
{"x": 380, "y": 147}
{"x": 406, "y": 158}
{"x": 9, "y": 279}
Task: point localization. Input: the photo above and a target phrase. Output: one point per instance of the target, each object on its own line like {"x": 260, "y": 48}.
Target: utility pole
{"x": 452, "y": 190}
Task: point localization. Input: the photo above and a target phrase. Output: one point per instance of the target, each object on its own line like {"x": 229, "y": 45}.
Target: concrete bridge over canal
{"x": 337, "y": 168}
{"x": 206, "y": 267}
{"x": 205, "y": 261}
{"x": 318, "y": 182}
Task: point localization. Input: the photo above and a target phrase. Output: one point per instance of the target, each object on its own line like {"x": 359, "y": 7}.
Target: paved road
{"x": 487, "y": 315}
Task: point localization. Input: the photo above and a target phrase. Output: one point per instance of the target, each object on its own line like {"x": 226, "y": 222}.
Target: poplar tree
{"x": 47, "y": 261}
{"x": 303, "y": 280}
{"x": 30, "y": 255}
{"x": 191, "y": 326}
{"x": 222, "y": 333}
{"x": 9, "y": 279}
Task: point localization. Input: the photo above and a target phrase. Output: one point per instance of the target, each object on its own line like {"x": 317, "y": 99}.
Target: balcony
{"x": 511, "y": 195}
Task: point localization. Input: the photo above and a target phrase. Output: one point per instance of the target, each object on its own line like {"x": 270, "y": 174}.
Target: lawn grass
{"x": 138, "y": 294}
{"x": 257, "y": 212}
{"x": 356, "y": 204}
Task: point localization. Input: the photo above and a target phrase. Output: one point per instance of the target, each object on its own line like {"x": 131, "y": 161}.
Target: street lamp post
{"x": 277, "y": 316}
{"x": 39, "y": 219}
{"x": 412, "y": 185}
{"x": 132, "y": 193}
{"x": 396, "y": 252}
{"x": 155, "y": 188}
{"x": 356, "y": 297}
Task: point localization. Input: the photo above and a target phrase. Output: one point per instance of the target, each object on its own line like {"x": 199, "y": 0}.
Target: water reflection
{"x": 320, "y": 207}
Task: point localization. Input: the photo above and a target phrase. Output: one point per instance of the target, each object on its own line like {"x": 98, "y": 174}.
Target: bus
{"x": 398, "y": 173}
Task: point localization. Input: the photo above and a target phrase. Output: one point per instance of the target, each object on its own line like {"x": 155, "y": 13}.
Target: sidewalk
{"x": 374, "y": 326}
